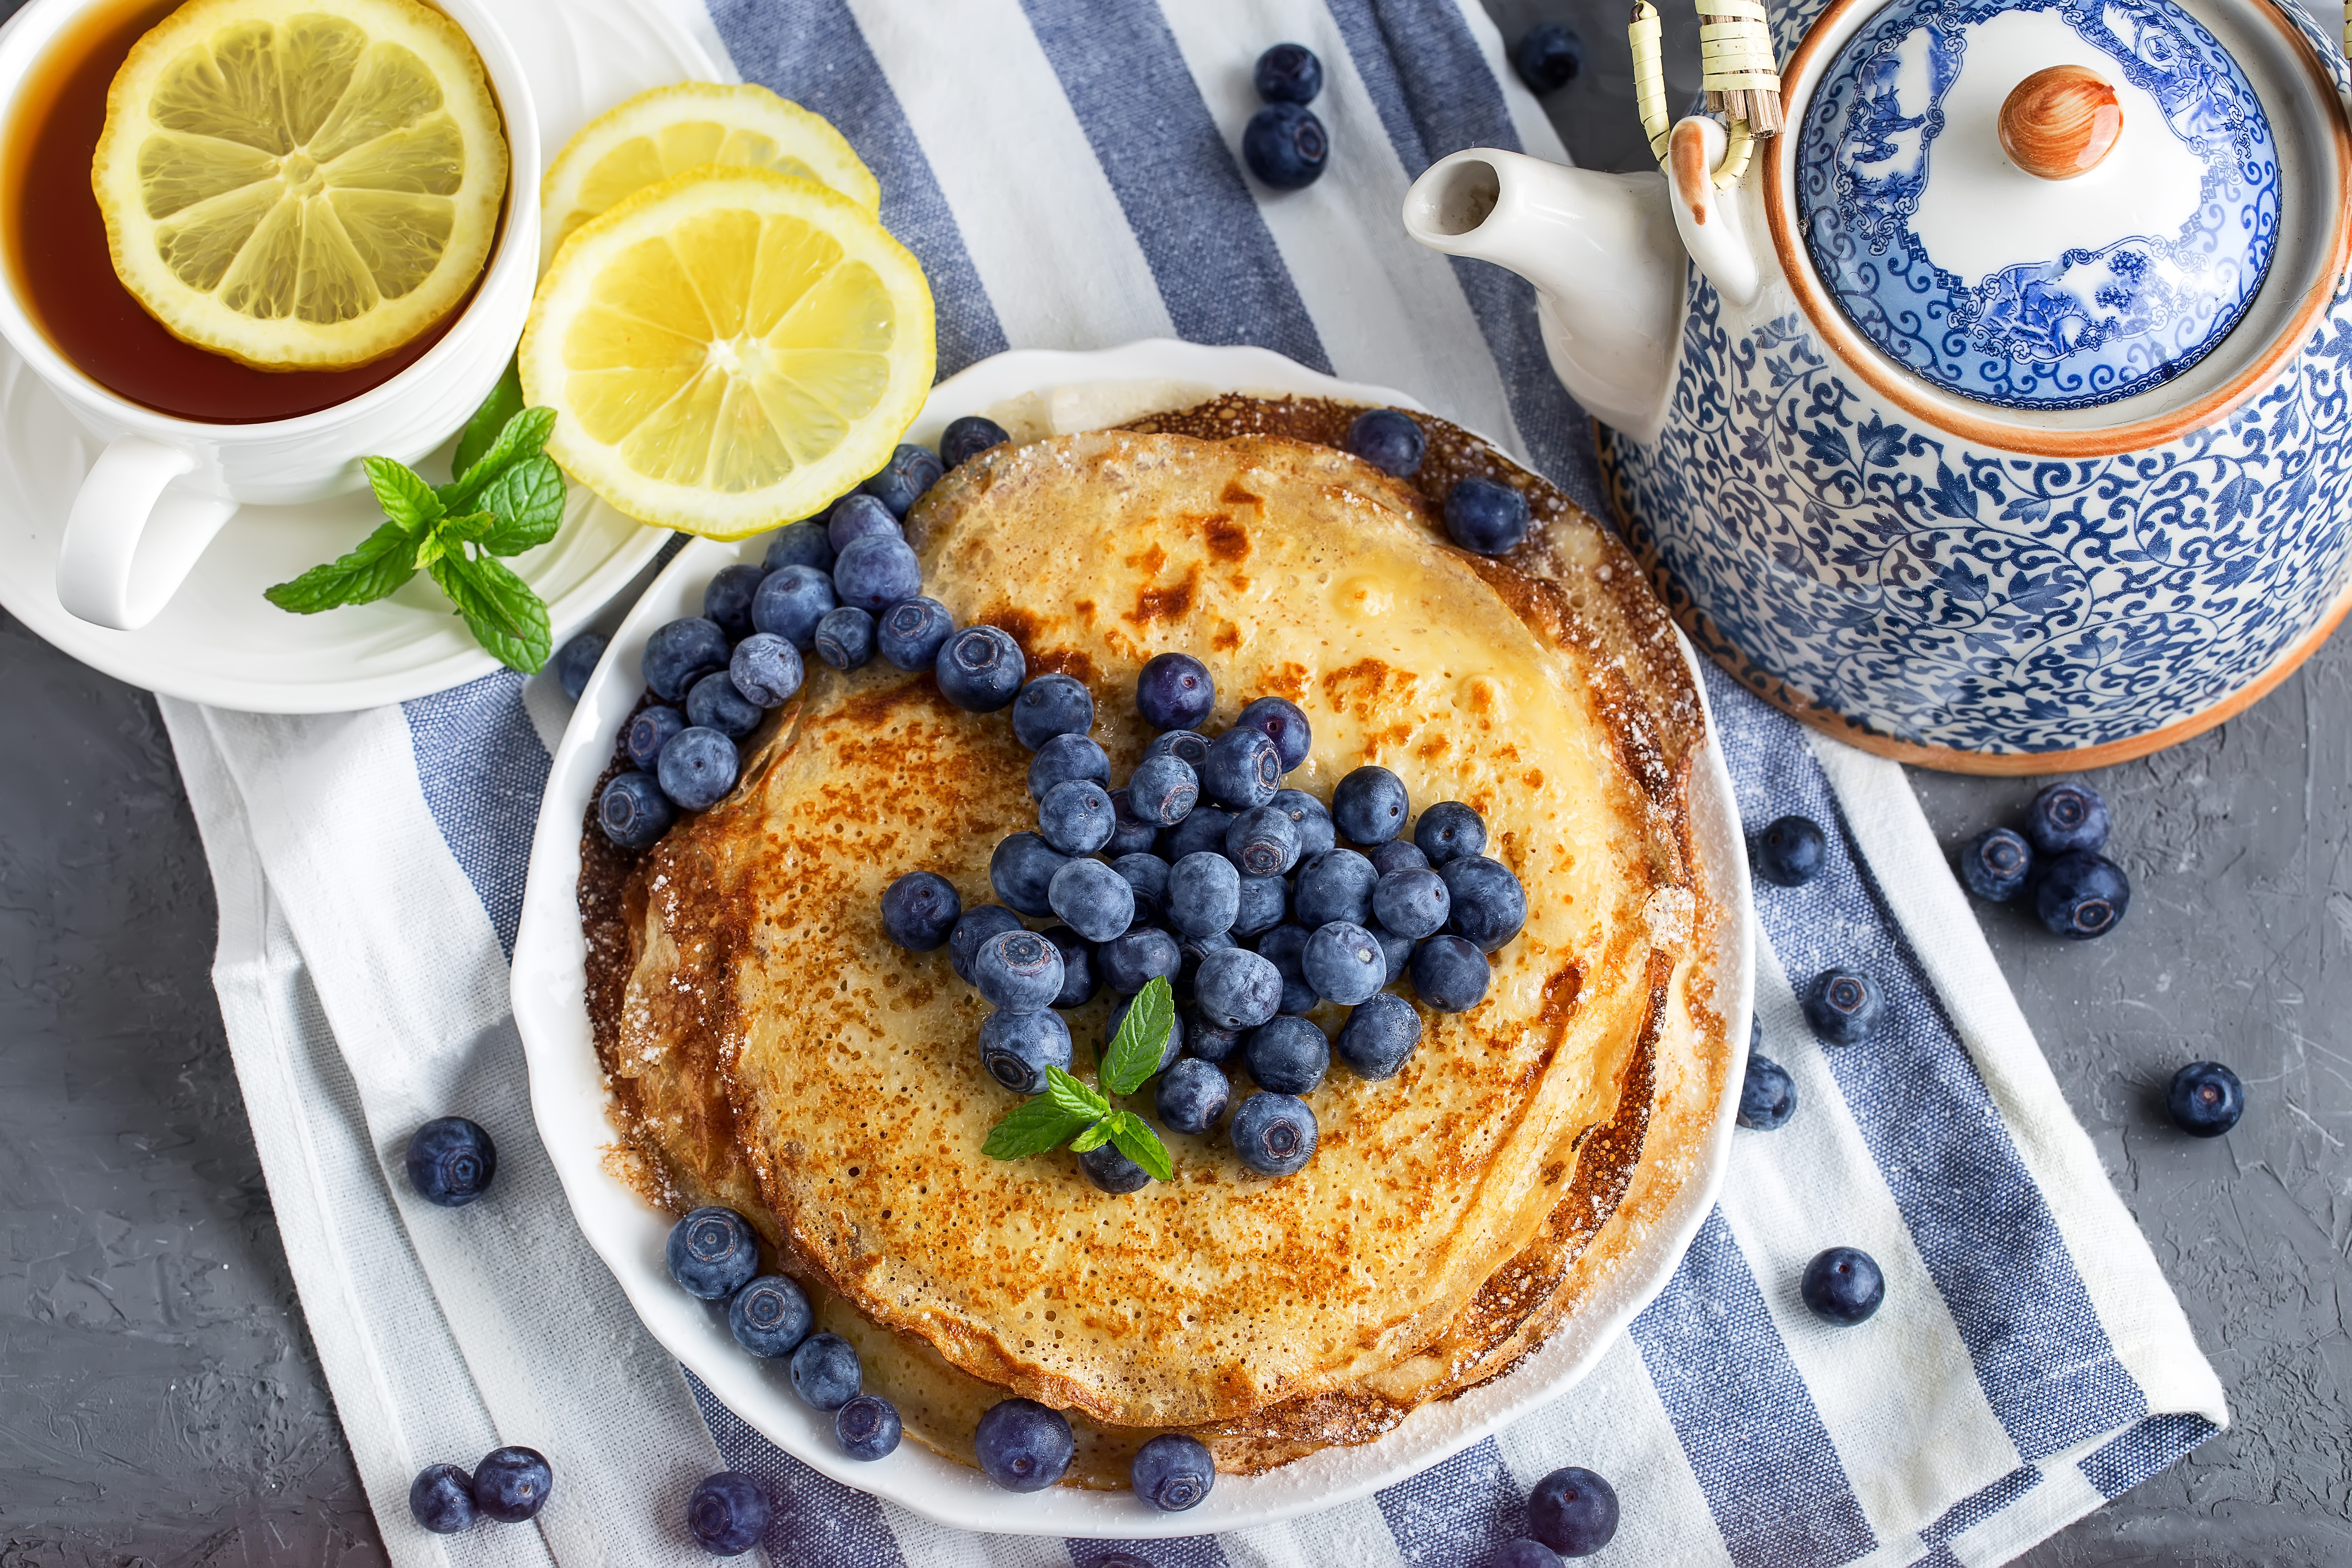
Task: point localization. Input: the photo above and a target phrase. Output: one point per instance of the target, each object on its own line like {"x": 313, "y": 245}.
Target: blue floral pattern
{"x": 2084, "y": 328}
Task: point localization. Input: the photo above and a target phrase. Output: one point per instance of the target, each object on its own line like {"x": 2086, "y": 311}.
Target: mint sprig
{"x": 1080, "y": 1115}
{"x": 505, "y": 496}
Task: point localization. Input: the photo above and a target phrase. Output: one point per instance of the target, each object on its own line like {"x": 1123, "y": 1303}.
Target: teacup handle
{"x": 133, "y": 536}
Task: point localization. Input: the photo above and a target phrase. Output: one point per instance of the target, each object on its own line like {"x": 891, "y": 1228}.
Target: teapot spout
{"x": 1602, "y": 252}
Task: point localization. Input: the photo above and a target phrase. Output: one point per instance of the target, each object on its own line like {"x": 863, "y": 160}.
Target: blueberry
{"x": 1113, "y": 1171}
{"x": 1288, "y": 73}
{"x": 1066, "y": 757}
{"x": 1548, "y": 57}
{"x": 845, "y": 637}
{"x": 1260, "y": 904}
{"x": 968, "y": 437}
{"x": 633, "y": 811}
{"x": 1389, "y": 439}
{"x": 770, "y": 1316}
{"x": 1243, "y": 769}
{"x": 1207, "y": 1041}
{"x": 1526, "y": 1553}
{"x": 1843, "y": 1286}
{"x": 1997, "y": 865}
{"x": 766, "y": 669}
{"x": 1187, "y": 746}
{"x": 727, "y": 599}
{"x": 1204, "y": 894}
{"x": 1316, "y": 833}
{"x": 1078, "y": 982}
{"x": 1076, "y": 816}
{"x": 1263, "y": 841}
{"x": 575, "y": 661}
{"x": 979, "y": 924}
{"x": 1450, "y": 975}
{"x": 2067, "y": 817}
{"x": 1573, "y": 1511}
{"x": 1285, "y": 145}
{"x": 1052, "y": 705}
{"x": 1397, "y": 950}
{"x": 980, "y": 670}
{"x": 1273, "y": 1135}
{"x": 441, "y": 1499}
{"x": 911, "y": 471}
{"x": 1397, "y": 855}
{"x": 1017, "y": 1047}
{"x": 2081, "y": 896}
{"x": 1148, "y": 875}
{"x": 876, "y": 571}
{"x": 1095, "y": 901}
{"x": 1237, "y": 989}
{"x": 1281, "y": 721}
{"x": 791, "y": 602}
{"x": 511, "y": 1484}
{"x": 825, "y": 1373}
{"x": 1486, "y": 517}
{"x": 2205, "y": 1100}
{"x": 1369, "y": 806}
{"x": 1173, "y": 1472}
{"x": 919, "y": 911}
{"x": 802, "y": 543}
{"x": 648, "y": 731}
{"x": 1167, "y": 1053}
{"x": 1488, "y": 904}
{"x": 1337, "y": 885}
{"x": 1129, "y": 960}
{"x": 1449, "y": 830}
{"x": 1163, "y": 790}
{"x": 1379, "y": 1036}
{"x": 1022, "y": 871}
{"x": 1413, "y": 902}
{"x": 1018, "y": 970}
{"x": 1767, "y": 1096}
{"x": 712, "y": 1253}
{"x": 1129, "y": 834}
{"x": 1192, "y": 1095}
{"x": 1344, "y": 963}
{"x": 1287, "y": 1053}
{"x": 1174, "y": 692}
{"x": 1790, "y": 851}
{"x": 1844, "y": 1006}
{"x": 1022, "y": 1446}
{"x": 854, "y": 517}
{"x": 728, "y": 1513}
{"x": 681, "y": 653}
{"x": 1285, "y": 947}
{"x": 698, "y": 768}
{"x": 912, "y": 632}
{"x": 1203, "y": 828}
{"x": 451, "y": 1161}
{"x": 1191, "y": 951}
{"x": 867, "y": 1427}
{"x": 714, "y": 703}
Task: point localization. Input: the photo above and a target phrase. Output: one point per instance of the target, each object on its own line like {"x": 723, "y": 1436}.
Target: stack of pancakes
{"x": 771, "y": 1050}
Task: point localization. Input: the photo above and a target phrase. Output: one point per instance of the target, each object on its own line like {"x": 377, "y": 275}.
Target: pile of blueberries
{"x": 2077, "y": 892}
{"x": 1202, "y": 851}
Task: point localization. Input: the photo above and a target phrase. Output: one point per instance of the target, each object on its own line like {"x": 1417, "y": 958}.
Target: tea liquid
{"x": 63, "y": 270}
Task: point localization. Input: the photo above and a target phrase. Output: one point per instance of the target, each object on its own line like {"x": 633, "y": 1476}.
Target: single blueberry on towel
{"x": 451, "y": 1162}
{"x": 1525, "y": 1552}
{"x": 1286, "y": 146}
{"x": 2067, "y": 817}
{"x": 1389, "y": 439}
{"x": 511, "y": 1484}
{"x": 2081, "y": 896}
{"x": 1548, "y": 57}
{"x": 441, "y": 1499}
{"x": 1573, "y": 1511}
{"x": 1172, "y": 1472}
{"x": 825, "y": 1371}
{"x": 1843, "y": 1286}
{"x": 867, "y": 1427}
{"x": 1023, "y": 1446}
{"x": 1767, "y": 1096}
{"x": 2205, "y": 1100}
{"x": 1844, "y": 1005}
{"x": 1288, "y": 73}
{"x": 1997, "y": 865}
{"x": 728, "y": 1513}
{"x": 1790, "y": 851}
{"x": 1486, "y": 516}
{"x": 771, "y": 1316}
{"x": 712, "y": 1253}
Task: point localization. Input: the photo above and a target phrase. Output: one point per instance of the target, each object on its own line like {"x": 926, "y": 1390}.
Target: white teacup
{"x": 165, "y": 486}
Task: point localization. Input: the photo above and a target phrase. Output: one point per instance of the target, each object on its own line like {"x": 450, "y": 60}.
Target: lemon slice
{"x": 300, "y": 184}
{"x": 666, "y": 130}
{"x": 728, "y": 350}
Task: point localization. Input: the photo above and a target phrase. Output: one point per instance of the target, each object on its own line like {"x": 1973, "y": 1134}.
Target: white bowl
{"x": 569, "y": 1098}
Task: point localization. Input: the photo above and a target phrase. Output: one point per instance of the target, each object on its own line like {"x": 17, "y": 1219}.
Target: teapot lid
{"x": 2041, "y": 205}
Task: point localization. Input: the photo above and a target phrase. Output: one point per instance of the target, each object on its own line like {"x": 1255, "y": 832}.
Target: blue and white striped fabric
{"x": 1067, "y": 172}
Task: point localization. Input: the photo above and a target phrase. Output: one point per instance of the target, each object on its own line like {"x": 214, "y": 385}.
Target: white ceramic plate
{"x": 218, "y": 641}
{"x": 1042, "y": 391}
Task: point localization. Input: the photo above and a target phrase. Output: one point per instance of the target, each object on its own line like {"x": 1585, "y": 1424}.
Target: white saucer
{"x": 219, "y": 641}
{"x": 1033, "y": 393}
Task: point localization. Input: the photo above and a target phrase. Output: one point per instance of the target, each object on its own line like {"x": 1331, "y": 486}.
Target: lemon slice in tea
{"x": 666, "y": 130}
{"x": 300, "y": 184}
{"x": 728, "y": 350}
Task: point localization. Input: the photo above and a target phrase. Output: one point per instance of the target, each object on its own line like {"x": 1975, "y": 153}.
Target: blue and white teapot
{"x": 1999, "y": 416}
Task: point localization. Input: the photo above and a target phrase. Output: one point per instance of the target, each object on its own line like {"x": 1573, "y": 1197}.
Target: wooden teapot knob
{"x": 2058, "y": 124}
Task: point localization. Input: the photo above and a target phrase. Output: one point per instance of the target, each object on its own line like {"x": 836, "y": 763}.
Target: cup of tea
{"x": 189, "y": 434}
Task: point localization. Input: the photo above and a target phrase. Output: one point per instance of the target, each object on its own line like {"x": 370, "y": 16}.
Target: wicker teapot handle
{"x": 1741, "y": 77}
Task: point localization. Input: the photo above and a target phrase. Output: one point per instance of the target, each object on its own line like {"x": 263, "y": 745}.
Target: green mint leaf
{"x": 503, "y": 404}
{"x": 431, "y": 548}
{"x": 471, "y": 528}
{"x": 374, "y": 568}
{"x": 1134, "y": 1052}
{"x": 522, "y": 438}
{"x": 529, "y": 501}
{"x": 1032, "y": 1127}
{"x": 1074, "y": 1096}
{"x": 402, "y": 493}
{"x": 1135, "y": 1139}
{"x": 1093, "y": 1138}
{"x": 501, "y": 611}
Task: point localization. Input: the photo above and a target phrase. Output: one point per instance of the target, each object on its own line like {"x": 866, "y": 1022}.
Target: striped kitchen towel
{"x": 1066, "y": 170}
